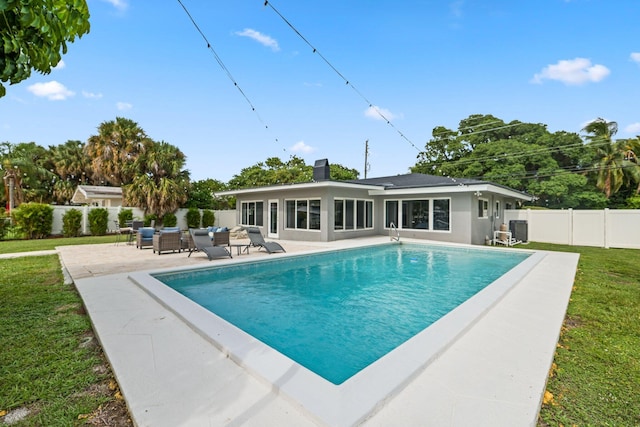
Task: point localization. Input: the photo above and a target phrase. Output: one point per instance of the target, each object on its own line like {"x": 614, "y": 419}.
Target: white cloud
{"x": 123, "y": 106}
{"x": 52, "y": 90}
{"x": 572, "y": 72}
{"x": 633, "y": 128}
{"x": 260, "y": 38}
{"x": 118, "y": 4}
{"x": 635, "y": 57}
{"x": 91, "y": 95}
{"x": 301, "y": 147}
{"x": 377, "y": 113}
{"x": 60, "y": 65}
{"x": 456, "y": 8}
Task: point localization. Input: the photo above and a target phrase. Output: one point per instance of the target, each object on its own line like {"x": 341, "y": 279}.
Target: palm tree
{"x": 160, "y": 185}
{"x": 118, "y": 144}
{"x": 610, "y": 158}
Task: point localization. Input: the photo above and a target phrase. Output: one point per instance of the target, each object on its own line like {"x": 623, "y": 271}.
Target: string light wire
{"x": 347, "y": 82}
{"x": 224, "y": 68}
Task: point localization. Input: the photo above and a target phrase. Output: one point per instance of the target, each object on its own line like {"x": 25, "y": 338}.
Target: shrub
{"x": 208, "y": 217}
{"x": 35, "y": 219}
{"x": 149, "y": 218}
{"x": 193, "y": 218}
{"x": 123, "y": 216}
{"x": 71, "y": 223}
{"x": 633, "y": 202}
{"x": 98, "y": 221}
{"x": 169, "y": 220}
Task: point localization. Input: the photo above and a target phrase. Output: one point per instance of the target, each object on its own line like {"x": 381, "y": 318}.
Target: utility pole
{"x": 366, "y": 158}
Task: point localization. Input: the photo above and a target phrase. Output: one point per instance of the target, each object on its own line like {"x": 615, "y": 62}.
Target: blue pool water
{"x": 336, "y": 313}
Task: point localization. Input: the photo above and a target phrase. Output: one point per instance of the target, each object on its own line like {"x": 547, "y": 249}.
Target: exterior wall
{"x": 465, "y": 225}
{"x": 600, "y": 228}
{"x": 460, "y": 220}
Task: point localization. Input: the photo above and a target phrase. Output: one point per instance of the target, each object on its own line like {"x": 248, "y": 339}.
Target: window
{"x": 391, "y": 213}
{"x": 428, "y": 214}
{"x": 303, "y": 214}
{"x": 353, "y": 214}
{"x": 441, "y": 214}
{"x": 415, "y": 214}
{"x": 496, "y": 213}
{"x": 251, "y": 213}
{"x": 338, "y": 215}
{"x": 483, "y": 208}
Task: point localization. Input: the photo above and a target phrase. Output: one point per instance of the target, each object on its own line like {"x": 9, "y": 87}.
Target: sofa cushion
{"x": 147, "y": 232}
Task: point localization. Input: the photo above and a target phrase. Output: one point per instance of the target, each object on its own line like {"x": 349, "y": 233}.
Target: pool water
{"x": 336, "y": 313}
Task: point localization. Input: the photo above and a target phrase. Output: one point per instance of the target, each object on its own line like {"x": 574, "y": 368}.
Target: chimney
{"x": 321, "y": 170}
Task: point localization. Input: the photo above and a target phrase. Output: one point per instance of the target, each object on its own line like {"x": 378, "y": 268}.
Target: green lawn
{"x": 50, "y": 362}
{"x": 595, "y": 380}
{"x": 596, "y": 375}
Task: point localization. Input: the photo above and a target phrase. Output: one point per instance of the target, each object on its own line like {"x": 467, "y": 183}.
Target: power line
{"x": 497, "y": 157}
{"x": 347, "y": 82}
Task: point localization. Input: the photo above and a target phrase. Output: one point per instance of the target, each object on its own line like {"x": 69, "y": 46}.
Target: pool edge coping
{"x": 360, "y": 397}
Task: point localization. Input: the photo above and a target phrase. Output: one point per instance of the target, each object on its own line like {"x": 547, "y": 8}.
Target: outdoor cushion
{"x": 170, "y": 229}
{"x": 147, "y": 232}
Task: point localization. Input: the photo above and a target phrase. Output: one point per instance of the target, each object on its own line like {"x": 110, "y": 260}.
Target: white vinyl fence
{"x": 225, "y": 218}
{"x": 608, "y": 228}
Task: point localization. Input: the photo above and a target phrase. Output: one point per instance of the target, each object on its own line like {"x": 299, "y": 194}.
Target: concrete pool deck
{"x": 493, "y": 375}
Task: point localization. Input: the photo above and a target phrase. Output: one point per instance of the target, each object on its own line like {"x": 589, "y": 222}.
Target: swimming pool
{"x": 336, "y": 313}
{"x": 353, "y": 399}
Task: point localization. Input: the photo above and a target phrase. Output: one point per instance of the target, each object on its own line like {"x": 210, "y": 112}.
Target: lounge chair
{"x": 202, "y": 242}
{"x": 258, "y": 241}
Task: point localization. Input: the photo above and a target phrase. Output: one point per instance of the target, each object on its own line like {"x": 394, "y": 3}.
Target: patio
{"x": 494, "y": 374}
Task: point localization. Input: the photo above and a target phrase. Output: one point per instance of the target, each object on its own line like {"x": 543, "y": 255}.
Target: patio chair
{"x": 202, "y": 242}
{"x": 258, "y": 241}
{"x": 168, "y": 239}
{"x": 144, "y": 237}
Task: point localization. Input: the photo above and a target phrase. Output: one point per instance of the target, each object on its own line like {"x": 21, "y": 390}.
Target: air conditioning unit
{"x": 519, "y": 229}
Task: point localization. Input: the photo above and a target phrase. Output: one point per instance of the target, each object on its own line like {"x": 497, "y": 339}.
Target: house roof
{"x": 414, "y": 183}
{"x": 414, "y": 180}
{"x": 85, "y": 193}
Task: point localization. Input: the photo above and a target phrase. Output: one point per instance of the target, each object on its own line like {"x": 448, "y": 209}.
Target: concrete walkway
{"x": 494, "y": 375}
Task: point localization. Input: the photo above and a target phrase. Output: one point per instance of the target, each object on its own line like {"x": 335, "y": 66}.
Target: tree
{"x": 610, "y": 158}
{"x": 201, "y": 195}
{"x": 274, "y": 171}
{"x": 72, "y": 167}
{"x": 34, "y": 33}
{"x": 115, "y": 149}
{"x": 28, "y": 170}
{"x": 160, "y": 183}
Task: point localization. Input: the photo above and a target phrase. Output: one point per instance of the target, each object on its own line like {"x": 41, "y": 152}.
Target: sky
{"x": 383, "y": 72}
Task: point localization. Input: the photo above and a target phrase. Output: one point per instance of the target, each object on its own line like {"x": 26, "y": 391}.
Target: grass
{"x": 50, "y": 362}
{"x": 595, "y": 380}
{"x": 43, "y": 366}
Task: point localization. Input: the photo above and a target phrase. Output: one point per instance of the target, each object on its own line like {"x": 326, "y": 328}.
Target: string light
{"x": 347, "y": 82}
{"x": 225, "y": 69}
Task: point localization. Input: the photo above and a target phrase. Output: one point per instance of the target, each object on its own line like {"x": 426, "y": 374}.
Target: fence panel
{"x": 601, "y": 228}
{"x": 623, "y": 229}
{"x": 226, "y": 218}
{"x": 588, "y": 228}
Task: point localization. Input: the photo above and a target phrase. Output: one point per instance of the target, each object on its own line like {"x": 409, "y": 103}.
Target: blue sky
{"x": 421, "y": 63}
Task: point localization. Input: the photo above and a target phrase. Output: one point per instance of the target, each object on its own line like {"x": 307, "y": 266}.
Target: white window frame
{"x": 368, "y": 206}
{"x": 431, "y": 212}
{"x": 256, "y": 213}
{"x": 308, "y": 202}
{"x": 485, "y": 208}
